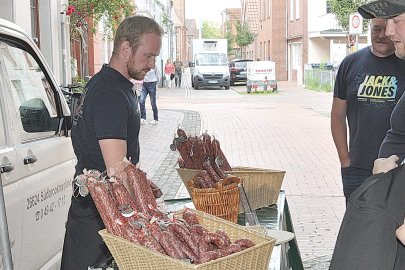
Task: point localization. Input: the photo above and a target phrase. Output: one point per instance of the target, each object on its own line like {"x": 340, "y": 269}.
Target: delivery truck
{"x": 209, "y": 66}
{"x": 37, "y": 162}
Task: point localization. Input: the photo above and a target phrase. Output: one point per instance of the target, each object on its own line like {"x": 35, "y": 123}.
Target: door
{"x": 8, "y": 174}
{"x": 44, "y": 160}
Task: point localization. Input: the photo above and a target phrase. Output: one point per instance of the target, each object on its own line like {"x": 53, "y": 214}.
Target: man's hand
{"x": 383, "y": 165}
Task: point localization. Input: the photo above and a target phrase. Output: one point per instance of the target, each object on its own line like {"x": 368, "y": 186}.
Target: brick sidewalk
{"x": 289, "y": 131}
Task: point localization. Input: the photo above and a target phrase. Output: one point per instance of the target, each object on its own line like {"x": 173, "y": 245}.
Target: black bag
{"x": 172, "y": 76}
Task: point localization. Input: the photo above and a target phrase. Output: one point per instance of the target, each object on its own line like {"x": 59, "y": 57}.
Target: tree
{"x": 343, "y": 8}
{"x": 111, "y": 11}
{"x": 210, "y": 30}
{"x": 230, "y": 38}
{"x": 243, "y": 36}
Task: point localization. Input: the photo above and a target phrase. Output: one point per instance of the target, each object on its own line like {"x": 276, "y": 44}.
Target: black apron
{"x": 366, "y": 239}
{"x": 83, "y": 247}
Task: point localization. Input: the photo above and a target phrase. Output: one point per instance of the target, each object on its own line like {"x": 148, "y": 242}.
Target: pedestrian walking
{"x": 178, "y": 68}
{"x": 169, "y": 73}
{"x": 368, "y": 84}
{"x": 149, "y": 88}
{"x": 105, "y": 131}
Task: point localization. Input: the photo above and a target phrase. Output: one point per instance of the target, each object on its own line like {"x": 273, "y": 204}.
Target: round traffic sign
{"x": 355, "y": 21}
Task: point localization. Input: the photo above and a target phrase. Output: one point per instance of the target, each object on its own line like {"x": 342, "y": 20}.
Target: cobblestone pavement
{"x": 288, "y": 130}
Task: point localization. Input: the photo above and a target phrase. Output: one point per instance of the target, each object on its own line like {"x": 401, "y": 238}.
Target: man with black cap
{"x": 376, "y": 209}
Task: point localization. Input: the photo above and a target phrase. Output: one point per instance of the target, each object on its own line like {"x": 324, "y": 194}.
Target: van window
{"x": 33, "y": 96}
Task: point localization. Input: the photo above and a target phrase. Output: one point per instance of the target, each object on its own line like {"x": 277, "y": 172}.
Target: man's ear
{"x": 126, "y": 49}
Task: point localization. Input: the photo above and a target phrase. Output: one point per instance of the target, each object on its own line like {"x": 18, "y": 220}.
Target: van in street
{"x": 36, "y": 155}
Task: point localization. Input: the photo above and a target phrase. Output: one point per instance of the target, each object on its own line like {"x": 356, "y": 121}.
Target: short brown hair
{"x": 132, "y": 29}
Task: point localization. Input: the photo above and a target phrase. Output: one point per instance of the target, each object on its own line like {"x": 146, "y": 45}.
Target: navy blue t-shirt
{"x": 371, "y": 86}
{"x": 394, "y": 142}
{"x": 108, "y": 110}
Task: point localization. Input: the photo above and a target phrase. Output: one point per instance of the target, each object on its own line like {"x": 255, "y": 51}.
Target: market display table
{"x": 277, "y": 219}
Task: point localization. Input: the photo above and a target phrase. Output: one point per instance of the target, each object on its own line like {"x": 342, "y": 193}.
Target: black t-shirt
{"x": 371, "y": 86}
{"x": 394, "y": 142}
{"x": 108, "y": 110}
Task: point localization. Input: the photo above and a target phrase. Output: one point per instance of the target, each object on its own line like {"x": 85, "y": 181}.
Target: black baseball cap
{"x": 382, "y": 9}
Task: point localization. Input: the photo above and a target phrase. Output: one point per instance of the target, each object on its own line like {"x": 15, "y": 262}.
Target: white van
{"x": 36, "y": 157}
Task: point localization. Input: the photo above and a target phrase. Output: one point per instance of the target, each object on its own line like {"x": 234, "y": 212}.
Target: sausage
{"x": 208, "y": 182}
{"x": 105, "y": 205}
{"x": 121, "y": 196}
{"x": 181, "y": 133}
{"x": 233, "y": 248}
{"x": 182, "y": 164}
{"x": 209, "y": 256}
{"x": 244, "y": 243}
{"x": 210, "y": 170}
{"x": 198, "y": 229}
{"x": 226, "y": 237}
{"x": 190, "y": 217}
{"x": 166, "y": 241}
{"x": 198, "y": 153}
{"x": 216, "y": 147}
{"x": 184, "y": 235}
{"x": 140, "y": 185}
{"x": 133, "y": 235}
{"x": 199, "y": 182}
{"x": 218, "y": 170}
{"x": 218, "y": 240}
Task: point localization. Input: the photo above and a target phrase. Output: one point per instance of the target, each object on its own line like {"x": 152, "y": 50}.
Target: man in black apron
{"x": 105, "y": 131}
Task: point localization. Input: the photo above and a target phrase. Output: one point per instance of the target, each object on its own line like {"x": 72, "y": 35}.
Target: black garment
{"x": 108, "y": 110}
{"x": 394, "y": 142}
{"x": 371, "y": 86}
{"x": 366, "y": 239}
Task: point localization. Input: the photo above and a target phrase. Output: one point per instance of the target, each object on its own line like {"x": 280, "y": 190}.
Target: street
{"x": 288, "y": 130}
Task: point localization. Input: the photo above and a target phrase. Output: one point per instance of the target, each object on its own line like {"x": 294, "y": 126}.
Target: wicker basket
{"x": 222, "y": 202}
{"x": 262, "y": 186}
{"x": 130, "y": 256}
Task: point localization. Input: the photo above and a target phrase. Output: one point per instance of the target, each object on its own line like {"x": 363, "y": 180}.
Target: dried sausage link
{"x": 244, "y": 243}
{"x": 210, "y": 170}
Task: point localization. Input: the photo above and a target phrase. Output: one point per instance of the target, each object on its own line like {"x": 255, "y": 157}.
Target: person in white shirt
{"x": 149, "y": 86}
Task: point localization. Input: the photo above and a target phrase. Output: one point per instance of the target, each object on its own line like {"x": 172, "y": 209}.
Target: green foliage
{"x": 112, "y": 10}
{"x": 210, "y": 30}
{"x": 343, "y": 8}
{"x": 243, "y": 37}
{"x": 314, "y": 84}
{"x": 229, "y": 37}
{"x": 165, "y": 16}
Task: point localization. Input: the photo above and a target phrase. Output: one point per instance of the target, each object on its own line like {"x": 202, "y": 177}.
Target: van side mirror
{"x": 73, "y": 102}
{"x": 191, "y": 64}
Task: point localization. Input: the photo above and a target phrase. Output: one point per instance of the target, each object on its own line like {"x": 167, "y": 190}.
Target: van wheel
{"x": 226, "y": 87}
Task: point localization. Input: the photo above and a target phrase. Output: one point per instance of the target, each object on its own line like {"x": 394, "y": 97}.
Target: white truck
{"x": 36, "y": 156}
{"x": 209, "y": 66}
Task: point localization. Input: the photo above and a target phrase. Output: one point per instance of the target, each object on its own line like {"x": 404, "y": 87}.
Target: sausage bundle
{"x": 136, "y": 218}
{"x": 195, "y": 150}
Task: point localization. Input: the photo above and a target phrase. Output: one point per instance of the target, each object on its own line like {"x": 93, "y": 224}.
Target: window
{"x": 297, "y": 9}
{"x": 33, "y": 97}
{"x": 291, "y": 10}
{"x": 268, "y": 50}
{"x": 328, "y": 6}
{"x": 34, "y": 21}
{"x": 269, "y": 6}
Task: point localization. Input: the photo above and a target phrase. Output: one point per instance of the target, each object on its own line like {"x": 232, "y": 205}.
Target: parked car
{"x": 237, "y": 70}
{"x": 36, "y": 155}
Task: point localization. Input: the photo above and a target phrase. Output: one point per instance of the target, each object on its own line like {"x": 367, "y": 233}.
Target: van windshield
{"x": 211, "y": 59}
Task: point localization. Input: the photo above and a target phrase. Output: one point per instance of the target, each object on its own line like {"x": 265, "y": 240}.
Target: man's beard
{"x": 132, "y": 72}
